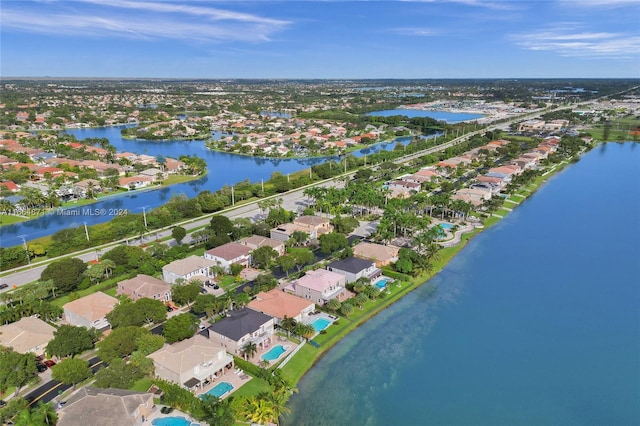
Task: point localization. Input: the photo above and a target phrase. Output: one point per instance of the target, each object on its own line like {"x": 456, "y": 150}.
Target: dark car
{"x": 2, "y": 403}
{"x": 3, "y": 286}
{"x": 41, "y": 367}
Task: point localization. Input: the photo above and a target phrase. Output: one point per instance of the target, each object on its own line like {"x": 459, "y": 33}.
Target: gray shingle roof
{"x": 240, "y": 323}
{"x": 350, "y": 264}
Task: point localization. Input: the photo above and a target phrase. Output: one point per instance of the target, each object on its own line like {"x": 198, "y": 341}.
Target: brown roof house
{"x": 145, "y": 286}
{"x": 191, "y": 361}
{"x": 228, "y": 254}
{"x": 381, "y": 255}
{"x": 90, "y": 311}
{"x": 188, "y": 268}
{"x": 312, "y": 225}
{"x": 106, "y": 407}
{"x": 28, "y": 335}
{"x": 257, "y": 241}
{"x": 278, "y": 304}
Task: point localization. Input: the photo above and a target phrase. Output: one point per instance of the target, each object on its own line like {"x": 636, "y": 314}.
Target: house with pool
{"x": 241, "y": 327}
{"x": 354, "y": 268}
{"x": 192, "y": 362}
{"x": 279, "y": 304}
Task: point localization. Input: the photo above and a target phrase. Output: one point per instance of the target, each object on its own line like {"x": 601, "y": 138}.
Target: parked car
{"x": 41, "y": 367}
{"x": 49, "y": 363}
{"x": 62, "y": 404}
{"x": 2, "y": 403}
{"x": 3, "y": 286}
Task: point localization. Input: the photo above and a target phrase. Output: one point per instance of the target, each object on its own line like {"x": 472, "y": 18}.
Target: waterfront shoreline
{"x": 446, "y": 255}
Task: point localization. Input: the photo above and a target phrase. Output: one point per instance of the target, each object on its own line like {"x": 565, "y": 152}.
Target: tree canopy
{"x": 66, "y": 274}
{"x": 180, "y": 327}
{"x": 69, "y": 340}
{"x": 142, "y": 311}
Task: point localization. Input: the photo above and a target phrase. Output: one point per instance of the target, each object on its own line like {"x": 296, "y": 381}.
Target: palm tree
{"x": 44, "y": 414}
{"x": 288, "y": 324}
{"x": 249, "y": 350}
{"x": 259, "y": 411}
{"x": 108, "y": 266}
{"x": 305, "y": 330}
{"x": 278, "y": 401}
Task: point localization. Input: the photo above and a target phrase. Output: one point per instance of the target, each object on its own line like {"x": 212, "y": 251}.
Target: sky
{"x": 320, "y": 39}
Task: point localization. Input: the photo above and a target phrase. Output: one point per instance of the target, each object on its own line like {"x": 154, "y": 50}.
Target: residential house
{"x": 279, "y": 304}
{"x": 142, "y": 286}
{"x": 380, "y": 254}
{"x": 470, "y": 195}
{"x": 228, "y": 254}
{"x": 191, "y": 361}
{"x": 27, "y": 335}
{"x": 241, "y": 327}
{"x": 188, "y": 268}
{"x": 90, "y": 311}
{"x": 106, "y": 407}
{"x": 135, "y": 182}
{"x": 354, "y": 268}
{"x": 319, "y": 286}
{"x": 314, "y": 226}
{"x": 257, "y": 241}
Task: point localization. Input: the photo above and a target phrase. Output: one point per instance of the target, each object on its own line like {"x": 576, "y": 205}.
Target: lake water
{"x": 535, "y": 322}
{"x": 449, "y": 117}
{"x": 223, "y": 169}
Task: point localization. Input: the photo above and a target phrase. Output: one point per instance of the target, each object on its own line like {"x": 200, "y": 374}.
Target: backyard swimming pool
{"x": 320, "y": 324}
{"x": 171, "y": 421}
{"x": 220, "y": 389}
{"x": 445, "y": 225}
{"x": 274, "y": 353}
{"x": 381, "y": 284}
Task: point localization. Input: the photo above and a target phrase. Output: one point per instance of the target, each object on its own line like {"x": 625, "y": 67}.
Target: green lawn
{"x": 253, "y": 387}
{"x": 142, "y": 385}
{"x": 8, "y": 219}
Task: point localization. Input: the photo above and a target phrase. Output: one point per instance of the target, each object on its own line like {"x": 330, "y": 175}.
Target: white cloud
{"x": 581, "y": 44}
{"x": 494, "y": 5}
{"x": 423, "y": 32}
{"x": 142, "y": 20}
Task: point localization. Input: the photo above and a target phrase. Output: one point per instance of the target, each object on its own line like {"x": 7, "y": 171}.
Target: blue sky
{"x": 321, "y": 39}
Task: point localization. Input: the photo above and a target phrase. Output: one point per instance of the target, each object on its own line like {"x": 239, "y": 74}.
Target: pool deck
{"x": 156, "y": 414}
{"x": 276, "y": 340}
{"x": 309, "y": 319}
{"x": 234, "y": 377}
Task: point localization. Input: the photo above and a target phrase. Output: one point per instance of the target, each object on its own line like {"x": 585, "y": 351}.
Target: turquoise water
{"x": 535, "y": 322}
{"x": 445, "y": 225}
{"x": 382, "y": 283}
{"x": 274, "y": 353}
{"x": 220, "y": 389}
{"x": 171, "y": 421}
{"x": 320, "y": 324}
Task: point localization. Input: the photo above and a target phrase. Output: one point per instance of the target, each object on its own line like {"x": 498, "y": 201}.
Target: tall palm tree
{"x": 249, "y": 350}
{"x": 288, "y": 324}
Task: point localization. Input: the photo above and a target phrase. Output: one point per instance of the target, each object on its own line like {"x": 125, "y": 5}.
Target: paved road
{"x": 293, "y": 200}
{"x": 51, "y": 389}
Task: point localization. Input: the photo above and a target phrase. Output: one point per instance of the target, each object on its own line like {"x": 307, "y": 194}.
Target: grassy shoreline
{"x": 309, "y": 355}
